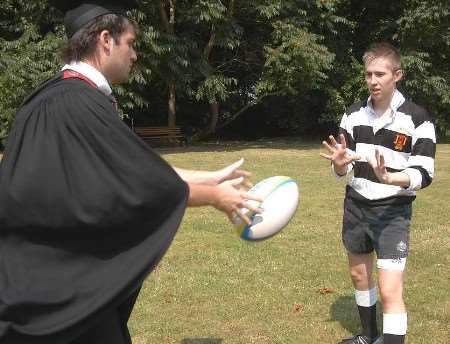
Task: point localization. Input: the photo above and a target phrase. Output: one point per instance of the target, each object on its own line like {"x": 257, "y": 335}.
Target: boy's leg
{"x": 361, "y": 259}
{"x": 392, "y": 249}
{"x": 361, "y": 266}
{"x": 394, "y": 310}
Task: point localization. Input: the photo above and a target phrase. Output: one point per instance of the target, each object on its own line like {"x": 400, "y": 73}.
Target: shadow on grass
{"x": 344, "y": 311}
{"x": 201, "y": 341}
{"x": 223, "y": 146}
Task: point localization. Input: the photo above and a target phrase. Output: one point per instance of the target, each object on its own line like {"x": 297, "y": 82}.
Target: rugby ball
{"x": 280, "y": 197}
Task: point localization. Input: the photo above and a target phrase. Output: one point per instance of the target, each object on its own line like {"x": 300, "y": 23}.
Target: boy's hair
{"x": 386, "y": 50}
{"x": 82, "y": 44}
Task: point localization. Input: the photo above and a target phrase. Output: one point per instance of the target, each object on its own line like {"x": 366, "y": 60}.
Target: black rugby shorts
{"x": 384, "y": 229}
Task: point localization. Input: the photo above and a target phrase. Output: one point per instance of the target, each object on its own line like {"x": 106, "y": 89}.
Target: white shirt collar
{"x": 91, "y": 73}
{"x": 397, "y": 100}
{"x": 387, "y": 118}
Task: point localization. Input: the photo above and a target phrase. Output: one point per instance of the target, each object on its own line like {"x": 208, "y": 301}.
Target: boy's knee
{"x": 360, "y": 279}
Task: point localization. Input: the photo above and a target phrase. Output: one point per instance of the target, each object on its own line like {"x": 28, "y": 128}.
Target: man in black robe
{"x": 87, "y": 209}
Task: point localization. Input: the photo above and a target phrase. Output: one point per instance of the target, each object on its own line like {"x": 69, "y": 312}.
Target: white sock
{"x": 366, "y": 298}
{"x": 395, "y": 323}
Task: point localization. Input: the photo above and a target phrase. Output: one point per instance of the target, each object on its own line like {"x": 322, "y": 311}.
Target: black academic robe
{"x": 87, "y": 210}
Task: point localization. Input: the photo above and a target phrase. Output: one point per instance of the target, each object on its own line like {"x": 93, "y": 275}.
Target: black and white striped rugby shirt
{"x": 407, "y": 140}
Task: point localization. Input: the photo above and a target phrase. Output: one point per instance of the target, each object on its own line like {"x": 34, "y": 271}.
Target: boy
{"x": 389, "y": 144}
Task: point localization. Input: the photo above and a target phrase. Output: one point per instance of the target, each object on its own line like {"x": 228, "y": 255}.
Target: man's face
{"x": 122, "y": 56}
{"x": 381, "y": 78}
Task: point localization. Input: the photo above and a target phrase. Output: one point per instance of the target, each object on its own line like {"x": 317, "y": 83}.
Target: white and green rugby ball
{"x": 280, "y": 197}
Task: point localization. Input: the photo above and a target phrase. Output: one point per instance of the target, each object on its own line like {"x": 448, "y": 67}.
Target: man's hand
{"x": 338, "y": 154}
{"x": 232, "y": 200}
{"x": 392, "y": 178}
{"x": 379, "y": 168}
{"x": 215, "y": 177}
{"x": 229, "y": 197}
{"x": 231, "y": 172}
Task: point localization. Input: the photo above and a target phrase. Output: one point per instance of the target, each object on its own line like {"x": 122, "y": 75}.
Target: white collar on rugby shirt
{"x": 388, "y": 117}
{"x": 91, "y": 73}
{"x": 397, "y": 100}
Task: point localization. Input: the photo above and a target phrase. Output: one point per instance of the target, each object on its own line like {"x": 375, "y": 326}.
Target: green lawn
{"x": 214, "y": 288}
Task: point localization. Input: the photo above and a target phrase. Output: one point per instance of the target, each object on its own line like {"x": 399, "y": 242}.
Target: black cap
{"x": 78, "y": 13}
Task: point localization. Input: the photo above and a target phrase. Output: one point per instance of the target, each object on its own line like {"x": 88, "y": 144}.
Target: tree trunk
{"x": 214, "y": 117}
{"x": 168, "y": 22}
{"x": 214, "y": 107}
{"x": 245, "y": 108}
{"x": 172, "y": 107}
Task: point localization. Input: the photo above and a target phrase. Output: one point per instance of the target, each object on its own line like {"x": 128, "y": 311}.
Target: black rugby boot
{"x": 360, "y": 339}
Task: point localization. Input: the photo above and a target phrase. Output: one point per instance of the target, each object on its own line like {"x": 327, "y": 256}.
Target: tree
{"x": 419, "y": 28}
{"x": 424, "y": 37}
{"x": 29, "y": 53}
{"x": 293, "y": 64}
{"x": 274, "y": 54}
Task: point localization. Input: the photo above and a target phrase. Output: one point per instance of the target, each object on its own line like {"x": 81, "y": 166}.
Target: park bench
{"x": 162, "y": 133}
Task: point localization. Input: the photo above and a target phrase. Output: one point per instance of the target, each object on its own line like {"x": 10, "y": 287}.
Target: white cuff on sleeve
{"x": 338, "y": 176}
{"x": 415, "y": 179}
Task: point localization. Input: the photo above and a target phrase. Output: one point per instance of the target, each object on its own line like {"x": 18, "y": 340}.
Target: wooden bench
{"x": 169, "y": 134}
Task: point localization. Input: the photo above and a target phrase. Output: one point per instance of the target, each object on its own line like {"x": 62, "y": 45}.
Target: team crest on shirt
{"x": 400, "y": 142}
{"x": 401, "y": 246}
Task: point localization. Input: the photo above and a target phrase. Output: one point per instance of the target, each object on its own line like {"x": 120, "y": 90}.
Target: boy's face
{"x": 381, "y": 79}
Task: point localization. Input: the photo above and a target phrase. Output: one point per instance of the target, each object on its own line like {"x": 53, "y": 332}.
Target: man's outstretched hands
{"x": 340, "y": 158}
{"x": 338, "y": 154}
{"x": 225, "y": 189}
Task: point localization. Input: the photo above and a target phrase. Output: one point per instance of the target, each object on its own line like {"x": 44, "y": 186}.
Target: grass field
{"x": 213, "y": 288}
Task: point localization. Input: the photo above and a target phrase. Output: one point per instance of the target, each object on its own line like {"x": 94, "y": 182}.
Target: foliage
{"x": 294, "y": 61}
{"x": 291, "y": 65}
{"x": 352, "y": 90}
{"x": 28, "y": 59}
{"x": 424, "y": 36}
